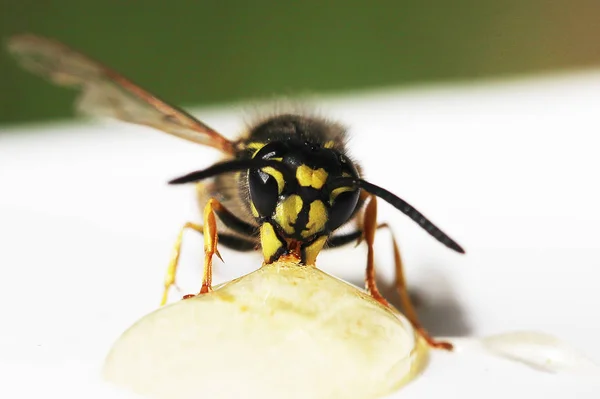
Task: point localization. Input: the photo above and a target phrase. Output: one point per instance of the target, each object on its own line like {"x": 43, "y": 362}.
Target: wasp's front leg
{"x": 211, "y": 239}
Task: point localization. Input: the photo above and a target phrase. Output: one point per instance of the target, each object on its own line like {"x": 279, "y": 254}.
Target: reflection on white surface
{"x": 540, "y": 351}
{"x": 508, "y": 170}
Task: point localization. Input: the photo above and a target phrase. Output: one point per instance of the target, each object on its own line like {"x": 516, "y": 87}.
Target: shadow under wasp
{"x": 285, "y": 187}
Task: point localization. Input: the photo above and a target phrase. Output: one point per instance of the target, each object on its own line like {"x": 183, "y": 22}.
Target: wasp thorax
{"x": 295, "y": 196}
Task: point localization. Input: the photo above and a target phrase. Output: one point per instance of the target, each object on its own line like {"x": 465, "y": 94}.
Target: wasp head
{"x": 295, "y": 195}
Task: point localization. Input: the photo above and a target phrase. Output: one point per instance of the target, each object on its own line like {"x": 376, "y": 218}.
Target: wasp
{"x": 285, "y": 187}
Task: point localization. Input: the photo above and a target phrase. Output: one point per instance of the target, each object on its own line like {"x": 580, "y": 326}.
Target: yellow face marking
{"x": 329, "y": 144}
{"x": 287, "y": 212}
{"x": 309, "y": 177}
{"x": 269, "y": 242}
{"x": 277, "y": 176}
{"x": 311, "y": 251}
{"x": 339, "y": 190}
{"x": 255, "y": 146}
{"x": 317, "y": 217}
{"x": 336, "y": 192}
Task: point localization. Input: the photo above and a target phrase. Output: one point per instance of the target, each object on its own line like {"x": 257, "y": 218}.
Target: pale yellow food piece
{"x": 283, "y": 331}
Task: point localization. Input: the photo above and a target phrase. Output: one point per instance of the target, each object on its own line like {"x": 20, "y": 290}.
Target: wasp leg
{"x": 370, "y": 226}
{"x": 174, "y": 262}
{"x": 211, "y": 238}
{"x": 210, "y": 245}
{"x": 245, "y": 242}
{"x": 231, "y": 221}
{"x": 232, "y": 242}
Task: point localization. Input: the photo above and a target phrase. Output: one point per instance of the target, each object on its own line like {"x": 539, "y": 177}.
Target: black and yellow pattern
{"x": 292, "y": 208}
{"x": 294, "y": 186}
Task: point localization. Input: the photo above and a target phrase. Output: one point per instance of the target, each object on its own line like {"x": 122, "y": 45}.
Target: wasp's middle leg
{"x": 211, "y": 238}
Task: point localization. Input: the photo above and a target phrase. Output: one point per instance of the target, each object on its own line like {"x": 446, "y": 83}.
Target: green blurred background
{"x": 202, "y": 52}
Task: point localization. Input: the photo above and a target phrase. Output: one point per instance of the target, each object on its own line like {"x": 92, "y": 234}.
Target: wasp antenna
{"x": 402, "y": 206}
{"x": 226, "y": 167}
{"x": 412, "y": 213}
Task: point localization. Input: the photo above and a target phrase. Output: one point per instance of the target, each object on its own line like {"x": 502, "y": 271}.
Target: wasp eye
{"x": 264, "y": 191}
{"x": 342, "y": 207}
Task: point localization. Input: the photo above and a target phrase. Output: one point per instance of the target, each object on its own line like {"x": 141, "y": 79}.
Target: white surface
{"x": 509, "y": 170}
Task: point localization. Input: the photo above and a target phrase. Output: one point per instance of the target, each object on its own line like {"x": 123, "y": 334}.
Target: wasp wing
{"x": 106, "y": 93}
